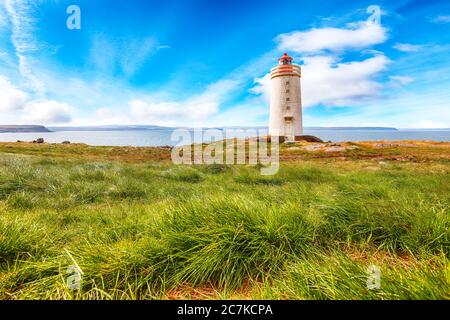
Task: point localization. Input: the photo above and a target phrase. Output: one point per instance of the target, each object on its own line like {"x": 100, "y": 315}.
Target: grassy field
{"x": 141, "y": 228}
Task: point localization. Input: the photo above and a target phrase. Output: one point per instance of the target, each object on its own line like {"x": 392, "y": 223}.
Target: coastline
{"x": 154, "y": 138}
{"x": 381, "y": 150}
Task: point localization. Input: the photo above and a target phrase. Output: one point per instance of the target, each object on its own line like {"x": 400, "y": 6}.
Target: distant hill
{"x": 25, "y": 128}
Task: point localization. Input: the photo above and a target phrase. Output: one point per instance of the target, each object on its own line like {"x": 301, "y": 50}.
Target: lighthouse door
{"x": 288, "y": 131}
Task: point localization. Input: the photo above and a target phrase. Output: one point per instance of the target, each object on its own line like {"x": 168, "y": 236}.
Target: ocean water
{"x": 163, "y": 137}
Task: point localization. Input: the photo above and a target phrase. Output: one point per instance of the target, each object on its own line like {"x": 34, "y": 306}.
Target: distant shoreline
{"x": 39, "y": 128}
{"x": 166, "y": 137}
{"x": 143, "y": 127}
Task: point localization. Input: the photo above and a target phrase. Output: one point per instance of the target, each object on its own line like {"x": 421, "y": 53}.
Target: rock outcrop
{"x": 308, "y": 138}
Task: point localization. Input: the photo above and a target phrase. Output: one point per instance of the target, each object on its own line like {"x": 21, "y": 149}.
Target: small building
{"x": 286, "y": 100}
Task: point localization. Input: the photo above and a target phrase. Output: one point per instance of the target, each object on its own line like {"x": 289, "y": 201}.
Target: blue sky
{"x": 205, "y": 62}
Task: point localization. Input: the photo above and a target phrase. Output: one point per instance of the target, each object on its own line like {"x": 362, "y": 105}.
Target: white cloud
{"x": 262, "y": 87}
{"x": 48, "y": 112}
{"x": 16, "y": 107}
{"x": 337, "y": 84}
{"x": 326, "y": 81}
{"x": 163, "y": 111}
{"x": 204, "y": 105}
{"x": 441, "y": 19}
{"x": 103, "y": 113}
{"x": 407, "y": 47}
{"x": 201, "y": 109}
{"x": 194, "y": 111}
{"x": 355, "y": 36}
{"x": 255, "y": 114}
{"x": 11, "y": 98}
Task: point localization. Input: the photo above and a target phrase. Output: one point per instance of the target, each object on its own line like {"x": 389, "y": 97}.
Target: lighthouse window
{"x": 287, "y": 83}
{"x": 287, "y": 91}
{"x": 288, "y": 108}
{"x": 288, "y": 99}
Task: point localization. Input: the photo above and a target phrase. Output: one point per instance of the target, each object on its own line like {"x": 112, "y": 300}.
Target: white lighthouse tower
{"x": 286, "y": 100}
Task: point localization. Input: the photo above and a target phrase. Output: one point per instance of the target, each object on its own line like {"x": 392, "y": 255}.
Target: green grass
{"x": 152, "y": 230}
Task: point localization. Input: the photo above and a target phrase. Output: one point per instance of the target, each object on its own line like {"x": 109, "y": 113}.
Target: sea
{"x": 167, "y": 137}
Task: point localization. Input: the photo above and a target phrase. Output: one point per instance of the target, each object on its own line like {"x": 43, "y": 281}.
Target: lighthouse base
{"x": 306, "y": 138}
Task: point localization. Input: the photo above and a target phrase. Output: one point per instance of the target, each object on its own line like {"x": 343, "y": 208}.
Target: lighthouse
{"x": 286, "y": 100}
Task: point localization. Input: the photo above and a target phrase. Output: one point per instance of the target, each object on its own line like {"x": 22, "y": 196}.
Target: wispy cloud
{"x": 20, "y": 13}
{"x": 427, "y": 108}
{"x": 403, "y": 80}
{"x": 3, "y": 17}
{"x": 125, "y": 56}
{"x": 407, "y": 47}
{"x": 441, "y": 19}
